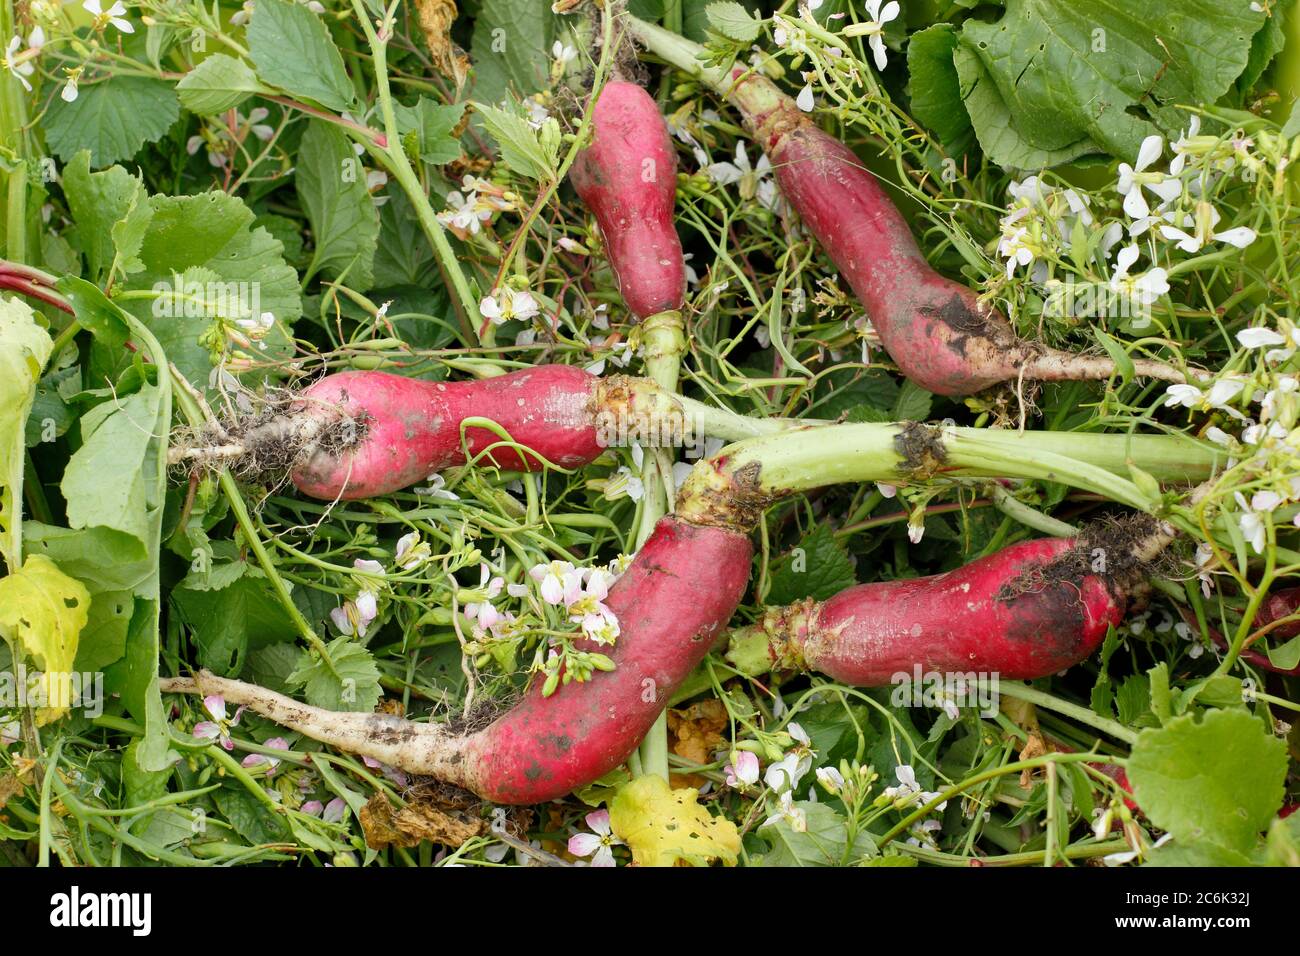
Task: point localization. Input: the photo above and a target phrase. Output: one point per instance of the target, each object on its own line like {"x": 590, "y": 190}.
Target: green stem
{"x": 1083, "y": 715}
{"x": 400, "y": 167}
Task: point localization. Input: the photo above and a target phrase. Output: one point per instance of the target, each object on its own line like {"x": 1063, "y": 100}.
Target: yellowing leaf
{"x": 44, "y": 610}
{"x": 662, "y": 826}
{"x": 24, "y": 349}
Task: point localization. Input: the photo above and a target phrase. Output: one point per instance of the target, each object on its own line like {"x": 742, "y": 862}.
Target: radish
{"x": 412, "y": 428}
{"x": 628, "y": 177}
{"x": 672, "y": 601}
{"x": 1027, "y": 611}
{"x": 937, "y": 332}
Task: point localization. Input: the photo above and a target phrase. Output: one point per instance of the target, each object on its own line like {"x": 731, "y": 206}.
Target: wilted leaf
{"x": 44, "y": 610}
{"x": 663, "y": 826}
{"x": 419, "y": 820}
{"x": 694, "y": 734}
{"x": 436, "y": 18}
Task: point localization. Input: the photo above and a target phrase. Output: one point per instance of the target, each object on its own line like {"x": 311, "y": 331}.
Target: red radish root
{"x": 936, "y": 331}
{"x": 362, "y": 434}
{"x": 1027, "y": 611}
{"x": 671, "y": 603}
{"x": 628, "y": 177}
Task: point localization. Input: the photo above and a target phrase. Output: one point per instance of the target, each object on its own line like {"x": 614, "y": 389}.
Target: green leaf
{"x": 106, "y": 483}
{"x": 249, "y": 817}
{"x": 403, "y": 255}
{"x": 434, "y": 126}
{"x": 228, "y": 621}
{"x": 817, "y": 568}
{"x": 98, "y": 201}
{"x": 823, "y": 843}
{"x": 217, "y": 84}
{"x": 994, "y": 125}
{"x": 331, "y": 185}
{"x": 208, "y": 239}
{"x": 913, "y": 403}
{"x": 1053, "y": 79}
{"x": 520, "y": 148}
{"x": 1123, "y": 363}
{"x": 352, "y": 685}
{"x": 1217, "y": 780}
{"x": 1291, "y": 128}
{"x": 293, "y": 50}
{"x": 733, "y": 21}
{"x": 935, "y": 87}
{"x": 24, "y": 349}
{"x": 511, "y": 48}
{"x": 112, "y": 119}
{"x": 1286, "y": 656}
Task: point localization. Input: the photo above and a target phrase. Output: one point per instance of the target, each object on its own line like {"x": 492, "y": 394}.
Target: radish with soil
{"x": 1027, "y": 611}
{"x": 936, "y": 330}
{"x": 671, "y": 603}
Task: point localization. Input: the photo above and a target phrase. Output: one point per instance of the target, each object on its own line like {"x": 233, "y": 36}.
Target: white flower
{"x": 874, "y": 28}
{"x": 755, "y": 181}
{"x": 1254, "y": 338}
{"x": 1188, "y": 396}
{"x": 1203, "y": 225}
{"x": 908, "y": 791}
{"x": 366, "y": 566}
{"x": 1016, "y": 248}
{"x": 1132, "y": 180}
{"x": 17, "y": 63}
{"x": 785, "y": 774}
{"x": 563, "y": 52}
{"x": 598, "y": 843}
{"x": 1145, "y": 288}
{"x": 1224, "y": 391}
{"x": 411, "y": 551}
{"x": 69, "y": 92}
{"x": 742, "y": 772}
{"x": 1253, "y": 527}
{"x": 243, "y": 14}
{"x": 796, "y": 817}
{"x": 506, "y": 304}
{"x": 464, "y": 214}
{"x": 831, "y": 779}
{"x": 805, "y": 98}
{"x": 436, "y": 489}
{"x": 355, "y": 616}
{"x": 113, "y": 15}
{"x": 555, "y": 578}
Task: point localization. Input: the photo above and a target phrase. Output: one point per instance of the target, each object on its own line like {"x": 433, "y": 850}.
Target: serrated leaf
{"x": 1215, "y": 780}
{"x": 662, "y": 826}
{"x": 112, "y": 119}
{"x": 97, "y": 201}
{"x": 733, "y": 21}
{"x": 217, "y": 84}
{"x": 293, "y": 50}
{"x": 913, "y": 403}
{"x": 352, "y": 685}
{"x": 43, "y": 611}
{"x": 228, "y": 621}
{"x": 520, "y": 148}
{"x": 24, "y": 349}
{"x": 818, "y": 568}
{"x": 344, "y": 222}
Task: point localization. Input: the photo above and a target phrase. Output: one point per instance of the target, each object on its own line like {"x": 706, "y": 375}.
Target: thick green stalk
{"x": 753, "y": 472}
